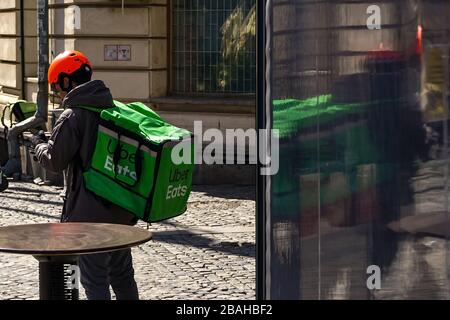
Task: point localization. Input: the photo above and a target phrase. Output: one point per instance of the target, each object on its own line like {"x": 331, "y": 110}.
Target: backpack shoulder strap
{"x": 5, "y": 126}
{"x": 7, "y": 107}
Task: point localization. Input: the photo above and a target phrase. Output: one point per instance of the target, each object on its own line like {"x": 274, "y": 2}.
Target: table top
{"x": 49, "y": 239}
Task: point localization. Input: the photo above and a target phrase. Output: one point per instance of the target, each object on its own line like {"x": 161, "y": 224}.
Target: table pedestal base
{"x": 58, "y": 277}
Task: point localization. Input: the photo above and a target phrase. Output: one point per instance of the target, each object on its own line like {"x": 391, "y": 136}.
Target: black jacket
{"x": 71, "y": 147}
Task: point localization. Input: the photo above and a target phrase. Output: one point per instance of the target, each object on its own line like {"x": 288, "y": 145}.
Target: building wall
{"x": 142, "y": 26}
{"x": 10, "y": 55}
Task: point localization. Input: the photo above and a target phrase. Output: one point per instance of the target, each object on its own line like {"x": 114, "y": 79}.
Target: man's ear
{"x": 66, "y": 83}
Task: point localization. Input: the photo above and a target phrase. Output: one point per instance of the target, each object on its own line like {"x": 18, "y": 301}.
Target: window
{"x": 213, "y": 46}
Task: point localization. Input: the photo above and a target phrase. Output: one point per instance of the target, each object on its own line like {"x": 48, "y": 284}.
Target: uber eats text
{"x": 178, "y": 178}
{"x": 124, "y": 170}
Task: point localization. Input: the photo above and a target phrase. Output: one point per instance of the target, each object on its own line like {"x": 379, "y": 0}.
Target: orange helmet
{"x": 67, "y": 62}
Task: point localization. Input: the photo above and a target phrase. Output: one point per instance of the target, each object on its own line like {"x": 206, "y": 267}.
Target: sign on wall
{"x": 117, "y": 52}
{"x": 124, "y": 53}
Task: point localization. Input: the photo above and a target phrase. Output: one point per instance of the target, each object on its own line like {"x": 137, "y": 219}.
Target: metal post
{"x": 22, "y": 48}
{"x": 51, "y": 281}
{"x": 260, "y": 181}
{"x": 55, "y": 278}
{"x": 42, "y": 96}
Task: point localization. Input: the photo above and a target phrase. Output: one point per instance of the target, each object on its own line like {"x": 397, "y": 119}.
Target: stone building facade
{"x": 168, "y": 54}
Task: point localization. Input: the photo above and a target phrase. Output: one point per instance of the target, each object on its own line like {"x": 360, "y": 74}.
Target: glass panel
{"x": 359, "y": 206}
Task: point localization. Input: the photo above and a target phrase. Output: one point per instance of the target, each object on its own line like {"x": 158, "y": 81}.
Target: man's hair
{"x": 82, "y": 75}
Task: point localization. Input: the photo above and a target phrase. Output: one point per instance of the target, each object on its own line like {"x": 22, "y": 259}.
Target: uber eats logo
{"x": 127, "y": 160}
{"x": 176, "y": 186}
{"x": 177, "y": 182}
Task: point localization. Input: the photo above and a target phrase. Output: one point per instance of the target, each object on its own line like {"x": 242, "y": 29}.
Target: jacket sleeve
{"x": 64, "y": 142}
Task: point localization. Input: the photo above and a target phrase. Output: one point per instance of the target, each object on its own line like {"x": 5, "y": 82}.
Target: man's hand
{"x": 39, "y": 149}
{"x": 38, "y": 138}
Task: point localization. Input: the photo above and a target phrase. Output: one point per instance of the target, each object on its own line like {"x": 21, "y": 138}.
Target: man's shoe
{"x": 3, "y": 182}
{"x": 11, "y": 167}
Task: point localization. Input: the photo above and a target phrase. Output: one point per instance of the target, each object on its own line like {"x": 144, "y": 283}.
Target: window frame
{"x": 171, "y": 76}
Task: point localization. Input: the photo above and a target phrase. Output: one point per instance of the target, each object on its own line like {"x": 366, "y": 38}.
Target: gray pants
{"x": 99, "y": 271}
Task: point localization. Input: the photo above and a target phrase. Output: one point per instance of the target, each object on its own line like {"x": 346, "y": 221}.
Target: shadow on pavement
{"x": 28, "y": 190}
{"x": 187, "y": 238}
{"x": 57, "y": 203}
{"x": 34, "y": 213}
{"x": 227, "y": 191}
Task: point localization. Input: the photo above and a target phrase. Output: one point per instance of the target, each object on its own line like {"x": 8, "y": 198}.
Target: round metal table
{"x": 57, "y": 247}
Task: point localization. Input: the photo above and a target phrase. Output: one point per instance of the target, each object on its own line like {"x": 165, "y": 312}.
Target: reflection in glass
{"x": 213, "y": 46}
{"x": 363, "y": 177}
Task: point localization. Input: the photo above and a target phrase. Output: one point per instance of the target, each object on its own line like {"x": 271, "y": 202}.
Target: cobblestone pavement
{"x": 206, "y": 253}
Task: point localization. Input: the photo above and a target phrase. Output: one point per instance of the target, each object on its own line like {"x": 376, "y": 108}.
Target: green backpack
{"x": 132, "y": 165}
